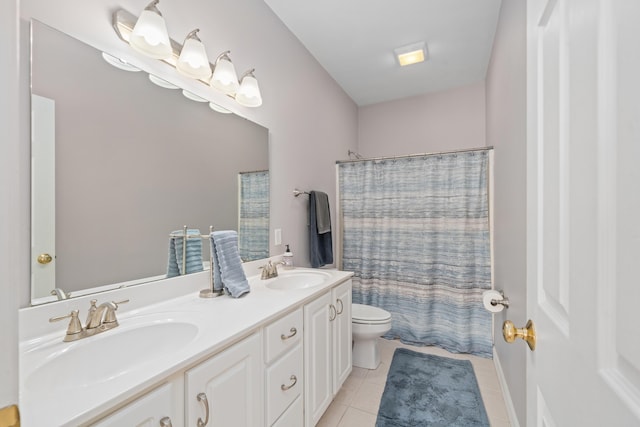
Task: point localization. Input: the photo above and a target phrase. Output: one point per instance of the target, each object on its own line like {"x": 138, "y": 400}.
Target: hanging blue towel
{"x": 193, "y": 262}
{"x": 227, "y": 265}
{"x": 320, "y": 244}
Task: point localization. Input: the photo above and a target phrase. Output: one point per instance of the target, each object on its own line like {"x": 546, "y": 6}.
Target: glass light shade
{"x": 224, "y": 77}
{"x": 249, "y": 92}
{"x": 150, "y": 37}
{"x": 193, "y": 61}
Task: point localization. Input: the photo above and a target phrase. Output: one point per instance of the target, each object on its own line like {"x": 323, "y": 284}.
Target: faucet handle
{"x": 110, "y": 315}
{"x": 267, "y": 270}
{"x": 74, "y": 328}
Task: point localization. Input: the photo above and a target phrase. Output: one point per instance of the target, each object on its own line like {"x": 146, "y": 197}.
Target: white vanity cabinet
{"x": 327, "y": 347}
{"x": 227, "y": 389}
{"x": 284, "y": 370}
{"x": 156, "y": 408}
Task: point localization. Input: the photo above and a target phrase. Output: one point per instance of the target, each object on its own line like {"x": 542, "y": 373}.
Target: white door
{"x": 583, "y": 203}
{"x": 43, "y": 191}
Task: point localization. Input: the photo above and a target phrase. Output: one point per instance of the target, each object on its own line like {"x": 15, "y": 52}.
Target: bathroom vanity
{"x": 275, "y": 357}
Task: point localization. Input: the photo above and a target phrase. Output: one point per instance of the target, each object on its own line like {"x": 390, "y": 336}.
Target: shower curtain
{"x": 415, "y": 230}
{"x": 253, "y": 222}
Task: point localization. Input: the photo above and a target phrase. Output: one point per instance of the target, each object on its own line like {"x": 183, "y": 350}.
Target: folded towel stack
{"x": 228, "y": 273}
{"x": 193, "y": 262}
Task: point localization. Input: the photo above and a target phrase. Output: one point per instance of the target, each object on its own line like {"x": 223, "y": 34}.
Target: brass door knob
{"x": 528, "y": 333}
{"x": 44, "y": 258}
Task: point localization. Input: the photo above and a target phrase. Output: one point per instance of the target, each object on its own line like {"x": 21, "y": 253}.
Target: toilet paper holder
{"x": 504, "y": 301}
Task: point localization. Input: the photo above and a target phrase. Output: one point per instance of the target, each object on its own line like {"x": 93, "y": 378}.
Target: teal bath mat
{"x": 427, "y": 390}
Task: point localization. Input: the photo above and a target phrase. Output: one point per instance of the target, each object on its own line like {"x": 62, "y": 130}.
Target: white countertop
{"x": 221, "y": 321}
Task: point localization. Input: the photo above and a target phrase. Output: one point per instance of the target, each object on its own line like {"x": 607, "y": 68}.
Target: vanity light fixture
{"x": 411, "y": 54}
{"x": 249, "y": 92}
{"x": 193, "y": 60}
{"x": 162, "y": 82}
{"x": 218, "y": 109}
{"x": 224, "y": 76}
{"x": 149, "y": 35}
{"x": 119, "y": 63}
{"x": 192, "y": 96}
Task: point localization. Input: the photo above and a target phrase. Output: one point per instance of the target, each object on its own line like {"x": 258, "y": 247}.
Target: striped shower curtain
{"x": 253, "y": 222}
{"x": 415, "y": 230}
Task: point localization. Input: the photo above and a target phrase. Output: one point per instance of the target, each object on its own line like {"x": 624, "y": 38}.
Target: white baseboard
{"x": 511, "y": 411}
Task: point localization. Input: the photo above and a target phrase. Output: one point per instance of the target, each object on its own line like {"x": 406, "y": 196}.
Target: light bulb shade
{"x": 149, "y": 35}
{"x": 193, "y": 61}
{"x": 224, "y": 76}
{"x": 249, "y": 92}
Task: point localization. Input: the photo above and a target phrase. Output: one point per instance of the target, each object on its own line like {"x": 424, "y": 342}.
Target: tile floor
{"x": 356, "y": 405}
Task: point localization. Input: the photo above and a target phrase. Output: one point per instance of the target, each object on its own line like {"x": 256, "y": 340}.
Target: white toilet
{"x": 368, "y": 323}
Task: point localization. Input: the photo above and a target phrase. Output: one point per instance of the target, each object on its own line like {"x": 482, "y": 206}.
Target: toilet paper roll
{"x": 487, "y": 296}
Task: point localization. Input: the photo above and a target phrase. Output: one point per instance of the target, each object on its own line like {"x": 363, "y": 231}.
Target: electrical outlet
{"x": 277, "y": 236}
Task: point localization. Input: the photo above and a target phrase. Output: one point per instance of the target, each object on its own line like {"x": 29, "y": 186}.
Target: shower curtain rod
{"x": 465, "y": 150}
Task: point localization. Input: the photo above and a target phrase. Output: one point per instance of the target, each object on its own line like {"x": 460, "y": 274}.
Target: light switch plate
{"x": 277, "y": 236}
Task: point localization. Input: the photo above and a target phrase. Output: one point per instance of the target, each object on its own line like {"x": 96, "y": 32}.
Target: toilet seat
{"x": 369, "y": 315}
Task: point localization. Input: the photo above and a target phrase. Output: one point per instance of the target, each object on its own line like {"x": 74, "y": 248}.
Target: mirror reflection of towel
{"x": 193, "y": 251}
{"x": 320, "y": 244}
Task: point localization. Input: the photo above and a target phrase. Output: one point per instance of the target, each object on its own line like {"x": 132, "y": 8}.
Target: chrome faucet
{"x": 99, "y": 319}
{"x": 270, "y": 270}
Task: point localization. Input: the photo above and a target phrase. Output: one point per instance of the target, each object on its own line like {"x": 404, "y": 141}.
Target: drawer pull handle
{"x": 293, "y": 331}
{"x": 287, "y": 387}
{"x": 165, "y": 422}
{"x": 332, "y": 312}
{"x": 203, "y": 398}
{"x": 341, "y": 306}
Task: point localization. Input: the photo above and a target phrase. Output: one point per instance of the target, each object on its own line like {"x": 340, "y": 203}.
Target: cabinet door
{"x": 318, "y": 361}
{"x": 153, "y": 409}
{"x": 228, "y": 387}
{"x": 342, "y": 343}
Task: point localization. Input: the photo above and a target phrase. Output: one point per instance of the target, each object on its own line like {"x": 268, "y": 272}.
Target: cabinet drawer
{"x": 284, "y": 383}
{"x": 292, "y": 417}
{"x": 149, "y": 409}
{"x": 282, "y": 335}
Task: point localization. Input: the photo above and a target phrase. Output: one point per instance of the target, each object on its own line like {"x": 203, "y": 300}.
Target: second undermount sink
{"x": 289, "y": 280}
{"x": 109, "y": 355}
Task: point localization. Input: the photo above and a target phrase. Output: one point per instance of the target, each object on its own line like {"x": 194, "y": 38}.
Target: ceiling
{"x": 354, "y": 41}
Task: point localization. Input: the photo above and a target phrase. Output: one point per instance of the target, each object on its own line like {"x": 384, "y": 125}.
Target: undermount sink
{"x": 109, "y": 355}
{"x": 290, "y": 280}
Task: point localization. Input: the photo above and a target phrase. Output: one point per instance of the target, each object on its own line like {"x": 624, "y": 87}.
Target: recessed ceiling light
{"x": 411, "y": 54}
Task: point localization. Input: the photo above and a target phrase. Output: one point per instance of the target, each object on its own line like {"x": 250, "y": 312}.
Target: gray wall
{"x": 440, "y": 121}
{"x": 506, "y": 131}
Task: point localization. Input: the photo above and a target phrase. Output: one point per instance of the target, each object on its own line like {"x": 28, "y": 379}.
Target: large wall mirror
{"x": 119, "y": 163}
